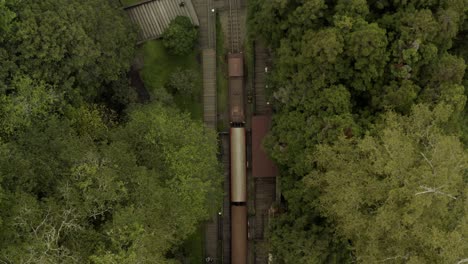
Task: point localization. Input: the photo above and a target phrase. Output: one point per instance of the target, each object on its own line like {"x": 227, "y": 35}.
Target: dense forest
{"x": 370, "y": 129}
{"x": 87, "y": 174}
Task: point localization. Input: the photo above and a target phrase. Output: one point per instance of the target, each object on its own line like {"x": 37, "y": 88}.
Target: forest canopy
{"x": 370, "y": 129}
{"x": 87, "y": 175}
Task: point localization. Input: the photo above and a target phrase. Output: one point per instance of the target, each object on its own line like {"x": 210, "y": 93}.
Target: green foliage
{"x": 158, "y": 59}
{"x": 132, "y": 199}
{"x": 129, "y": 2}
{"x": 180, "y": 37}
{"x": 83, "y": 177}
{"x": 171, "y": 195}
{"x": 222, "y": 86}
{"x": 339, "y": 66}
{"x": 76, "y": 46}
{"x": 302, "y": 235}
{"x": 398, "y": 193}
{"x": 28, "y": 101}
{"x": 6, "y": 16}
{"x": 184, "y": 81}
{"x": 194, "y": 246}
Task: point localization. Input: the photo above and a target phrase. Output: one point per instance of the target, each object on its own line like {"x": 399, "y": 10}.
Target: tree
{"x": 399, "y": 193}
{"x": 183, "y": 81}
{"x": 76, "y": 46}
{"x": 79, "y": 188}
{"x": 80, "y": 183}
{"x": 181, "y": 35}
{"x": 177, "y": 181}
{"x": 6, "y": 16}
{"x": 303, "y": 235}
{"x": 338, "y": 66}
{"x": 28, "y": 101}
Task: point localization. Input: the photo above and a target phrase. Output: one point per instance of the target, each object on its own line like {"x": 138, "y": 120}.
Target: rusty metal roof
{"x": 236, "y": 65}
{"x": 154, "y": 16}
{"x": 239, "y": 238}
{"x": 262, "y": 165}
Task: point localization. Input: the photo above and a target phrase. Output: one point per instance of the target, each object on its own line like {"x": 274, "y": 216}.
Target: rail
{"x": 234, "y": 25}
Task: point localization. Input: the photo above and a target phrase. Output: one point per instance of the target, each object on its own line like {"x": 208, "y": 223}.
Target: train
{"x": 236, "y": 89}
{"x": 238, "y": 169}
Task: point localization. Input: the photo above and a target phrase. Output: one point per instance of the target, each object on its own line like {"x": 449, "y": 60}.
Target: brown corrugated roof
{"x": 262, "y": 165}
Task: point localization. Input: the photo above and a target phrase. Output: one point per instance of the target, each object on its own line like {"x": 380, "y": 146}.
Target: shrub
{"x": 183, "y": 81}
{"x": 181, "y": 35}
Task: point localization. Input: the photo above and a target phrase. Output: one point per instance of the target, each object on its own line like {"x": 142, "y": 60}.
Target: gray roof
{"x": 154, "y": 16}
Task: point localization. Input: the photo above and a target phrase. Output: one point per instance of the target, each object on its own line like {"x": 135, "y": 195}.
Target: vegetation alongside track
{"x": 159, "y": 64}
{"x": 193, "y": 247}
{"x": 221, "y": 76}
{"x": 87, "y": 175}
{"x": 369, "y": 129}
{"x": 130, "y": 2}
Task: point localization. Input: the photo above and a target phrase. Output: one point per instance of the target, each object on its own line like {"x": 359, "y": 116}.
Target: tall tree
{"x": 399, "y": 193}
{"x": 82, "y": 190}
{"x": 77, "y": 46}
{"x": 338, "y": 66}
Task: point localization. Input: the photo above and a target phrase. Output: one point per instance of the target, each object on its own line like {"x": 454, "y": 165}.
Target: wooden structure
{"x": 262, "y": 165}
{"x": 265, "y": 190}
{"x": 207, "y": 20}
{"x": 261, "y": 106}
{"x": 153, "y": 17}
{"x": 209, "y": 88}
{"x": 264, "y": 171}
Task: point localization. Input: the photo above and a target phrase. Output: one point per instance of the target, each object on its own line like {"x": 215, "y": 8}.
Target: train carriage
{"x": 239, "y": 234}
{"x": 236, "y": 88}
{"x": 236, "y": 65}
{"x": 236, "y": 101}
{"x": 238, "y": 166}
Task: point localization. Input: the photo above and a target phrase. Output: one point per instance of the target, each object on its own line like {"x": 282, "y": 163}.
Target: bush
{"x": 183, "y": 81}
{"x": 181, "y": 35}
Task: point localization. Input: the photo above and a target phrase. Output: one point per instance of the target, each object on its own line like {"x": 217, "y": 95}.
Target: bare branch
{"x": 434, "y": 190}
{"x": 393, "y": 258}
{"x": 41, "y": 224}
{"x": 463, "y": 261}
{"x": 428, "y": 162}
{"x": 97, "y": 213}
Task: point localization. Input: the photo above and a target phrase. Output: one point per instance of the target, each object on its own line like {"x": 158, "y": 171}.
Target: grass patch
{"x": 157, "y": 69}
{"x": 130, "y": 2}
{"x": 193, "y": 247}
{"x": 221, "y": 76}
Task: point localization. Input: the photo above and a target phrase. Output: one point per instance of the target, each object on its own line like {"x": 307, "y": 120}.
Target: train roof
{"x": 262, "y": 165}
{"x": 236, "y": 100}
{"x": 236, "y": 65}
{"x": 239, "y": 237}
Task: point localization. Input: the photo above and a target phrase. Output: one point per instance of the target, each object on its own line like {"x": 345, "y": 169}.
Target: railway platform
{"x": 207, "y": 42}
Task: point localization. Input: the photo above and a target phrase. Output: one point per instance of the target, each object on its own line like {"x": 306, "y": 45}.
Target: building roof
{"x": 262, "y": 165}
{"x": 154, "y": 16}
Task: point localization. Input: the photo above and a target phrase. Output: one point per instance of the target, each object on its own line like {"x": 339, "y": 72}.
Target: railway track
{"x": 237, "y": 134}
{"x": 234, "y": 25}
